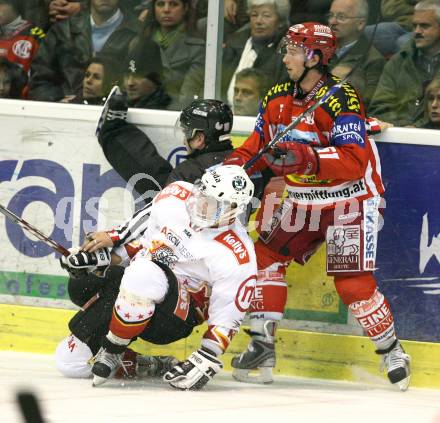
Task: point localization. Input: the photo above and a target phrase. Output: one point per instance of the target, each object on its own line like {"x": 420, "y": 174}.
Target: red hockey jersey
{"x": 349, "y": 165}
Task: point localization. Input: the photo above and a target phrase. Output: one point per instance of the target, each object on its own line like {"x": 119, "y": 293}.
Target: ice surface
{"x": 288, "y": 400}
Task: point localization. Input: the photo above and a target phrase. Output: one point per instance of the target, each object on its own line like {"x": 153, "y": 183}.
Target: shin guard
{"x": 131, "y": 315}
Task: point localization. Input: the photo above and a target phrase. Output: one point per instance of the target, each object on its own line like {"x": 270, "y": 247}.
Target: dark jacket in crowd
{"x": 399, "y": 95}
{"x": 368, "y": 67}
{"x": 35, "y": 11}
{"x": 58, "y": 68}
{"x": 159, "y": 99}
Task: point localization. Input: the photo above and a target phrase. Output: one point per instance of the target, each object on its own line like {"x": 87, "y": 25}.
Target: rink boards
{"x": 53, "y": 173}
{"x": 299, "y": 353}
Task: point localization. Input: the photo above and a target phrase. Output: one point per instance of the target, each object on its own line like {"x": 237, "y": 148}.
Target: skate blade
{"x": 403, "y": 384}
{"x": 244, "y": 375}
{"x": 98, "y": 380}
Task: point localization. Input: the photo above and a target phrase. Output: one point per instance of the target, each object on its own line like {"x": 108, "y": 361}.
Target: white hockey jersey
{"x": 215, "y": 263}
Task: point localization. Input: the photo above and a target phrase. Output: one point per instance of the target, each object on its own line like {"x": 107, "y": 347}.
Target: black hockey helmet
{"x": 212, "y": 117}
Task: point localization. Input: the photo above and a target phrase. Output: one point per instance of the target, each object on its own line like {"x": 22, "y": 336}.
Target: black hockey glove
{"x": 80, "y": 263}
{"x": 195, "y": 372}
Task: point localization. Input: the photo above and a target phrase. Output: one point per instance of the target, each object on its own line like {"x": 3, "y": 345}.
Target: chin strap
{"x": 299, "y": 94}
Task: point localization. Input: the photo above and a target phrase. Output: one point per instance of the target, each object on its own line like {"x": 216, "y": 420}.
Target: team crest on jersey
{"x": 162, "y": 253}
{"x": 230, "y": 240}
{"x": 343, "y": 248}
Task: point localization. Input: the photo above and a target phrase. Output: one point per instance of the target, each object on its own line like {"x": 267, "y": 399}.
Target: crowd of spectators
{"x": 75, "y": 51}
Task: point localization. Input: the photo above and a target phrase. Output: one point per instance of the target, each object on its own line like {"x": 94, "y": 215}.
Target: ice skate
{"x": 397, "y": 364}
{"x": 105, "y": 365}
{"x": 259, "y": 357}
{"x": 115, "y": 107}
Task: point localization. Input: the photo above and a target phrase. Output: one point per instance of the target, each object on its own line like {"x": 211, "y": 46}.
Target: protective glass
{"x": 206, "y": 211}
{"x": 340, "y": 17}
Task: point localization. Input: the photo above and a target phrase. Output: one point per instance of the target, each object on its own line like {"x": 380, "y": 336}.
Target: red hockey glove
{"x": 238, "y": 160}
{"x": 292, "y": 157}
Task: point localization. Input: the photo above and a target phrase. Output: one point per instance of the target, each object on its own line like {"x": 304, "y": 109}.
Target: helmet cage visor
{"x": 184, "y": 134}
{"x": 293, "y": 48}
{"x": 207, "y": 211}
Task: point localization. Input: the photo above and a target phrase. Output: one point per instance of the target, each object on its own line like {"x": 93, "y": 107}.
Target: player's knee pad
{"x": 354, "y": 288}
{"x": 143, "y": 285}
{"x": 72, "y": 358}
{"x": 144, "y": 279}
{"x": 270, "y": 296}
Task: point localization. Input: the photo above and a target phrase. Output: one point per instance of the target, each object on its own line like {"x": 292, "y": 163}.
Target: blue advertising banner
{"x": 409, "y": 243}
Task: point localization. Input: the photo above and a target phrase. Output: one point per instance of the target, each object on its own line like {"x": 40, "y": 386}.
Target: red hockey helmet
{"x": 312, "y": 36}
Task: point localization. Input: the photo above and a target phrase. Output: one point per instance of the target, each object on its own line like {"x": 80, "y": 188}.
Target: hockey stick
{"x": 29, "y": 407}
{"x": 34, "y": 231}
{"x": 313, "y": 107}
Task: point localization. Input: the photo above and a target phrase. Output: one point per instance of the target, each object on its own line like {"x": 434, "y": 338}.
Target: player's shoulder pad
{"x": 37, "y": 32}
{"x": 344, "y": 100}
{"x": 278, "y": 90}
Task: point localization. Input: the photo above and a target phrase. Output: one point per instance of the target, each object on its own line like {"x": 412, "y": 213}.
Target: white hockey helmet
{"x": 219, "y": 196}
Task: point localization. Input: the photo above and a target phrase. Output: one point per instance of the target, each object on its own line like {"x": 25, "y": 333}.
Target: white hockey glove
{"x": 80, "y": 263}
{"x": 195, "y": 372}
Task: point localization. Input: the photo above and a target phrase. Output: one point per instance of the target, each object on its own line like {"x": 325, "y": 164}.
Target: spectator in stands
{"x": 171, "y": 24}
{"x": 60, "y": 10}
{"x": 250, "y": 87}
{"x": 143, "y": 78}
{"x": 347, "y": 19}
{"x": 13, "y": 80}
{"x": 257, "y": 46}
{"x": 235, "y": 12}
{"x": 394, "y": 29}
{"x": 58, "y": 68}
{"x": 98, "y": 80}
{"x": 399, "y": 94}
{"x": 432, "y": 104}
{"x": 19, "y": 39}
{"x": 35, "y": 11}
